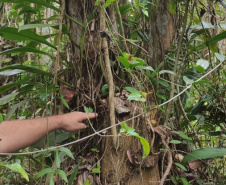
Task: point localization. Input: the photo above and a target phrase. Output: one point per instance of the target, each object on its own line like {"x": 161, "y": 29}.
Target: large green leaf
{"x": 30, "y": 69}
{"x": 24, "y": 35}
{"x": 17, "y": 168}
{"x": 32, "y": 26}
{"x": 210, "y": 41}
{"x": 38, "y": 2}
{"x": 24, "y": 50}
{"x": 8, "y": 98}
{"x": 204, "y": 153}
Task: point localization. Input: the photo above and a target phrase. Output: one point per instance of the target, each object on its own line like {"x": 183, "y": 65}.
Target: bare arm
{"x": 15, "y": 135}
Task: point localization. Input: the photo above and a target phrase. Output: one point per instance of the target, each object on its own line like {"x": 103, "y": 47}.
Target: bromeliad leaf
{"x": 24, "y": 35}
{"x": 204, "y": 153}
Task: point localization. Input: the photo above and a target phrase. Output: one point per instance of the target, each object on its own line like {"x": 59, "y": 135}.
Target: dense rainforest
{"x": 153, "y": 70}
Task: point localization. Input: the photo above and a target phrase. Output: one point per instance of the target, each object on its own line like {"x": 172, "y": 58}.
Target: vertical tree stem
{"x": 109, "y": 77}
{"x": 172, "y": 79}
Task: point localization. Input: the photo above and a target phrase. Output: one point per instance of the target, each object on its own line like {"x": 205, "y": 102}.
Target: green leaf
{"x": 88, "y": 109}
{"x": 202, "y": 25}
{"x": 30, "y": 69}
{"x": 175, "y": 142}
{"x": 11, "y": 72}
{"x": 57, "y": 159}
{"x": 24, "y": 50}
{"x": 181, "y": 166}
{"x": 66, "y": 151}
{"x": 14, "y": 108}
{"x": 137, "y": 96}
{"x": 172, "y": 6}
{"x": 210, "y": 41}
{"x": 145, "y": 67}
{"x": 166, "y": 71}
{"x": 187, "y": 80}
{"x": 64, "y": 101}
{"x": 62, "y": 175}
{"x": 130, "y": 89}
{"x": 125, "y": 129}
{"x": 38, "y": 2}
{"x": 161, "y": 96}
{"x": 18, "y": 168}
{"x": 124, "y": 62}
{"x": 96, "y": 170}
{"x": 44, "y": 172}
{"x": 24, "y": 35}
{"x": 203, "y": 63}
{"x": 145, "y": 12}
{"x": 146, "y": 147}
{"x": 86, "y": 182}
{"x": 32, "y": 26}
{"x": 108, "y": 3}
{"x": 200, "y": 69}
{"x": 94, "y": 150}
{"x": 204, "y": 153}
{"x": 8, "y": 98}
{"x": 220, "y": 57}
{"x": 1, "y": 118}
{"x": 202, "y": 82}
{"x": 104, "y": 89}
{"x": 73, "y": 175}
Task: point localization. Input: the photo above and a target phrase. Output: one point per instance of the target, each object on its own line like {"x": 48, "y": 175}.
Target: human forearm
{"x": 15, "y": 135}
{"x": 19, "y": 134}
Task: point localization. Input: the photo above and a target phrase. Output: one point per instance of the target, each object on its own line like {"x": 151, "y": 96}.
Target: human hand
{"x": 74, "y": 121}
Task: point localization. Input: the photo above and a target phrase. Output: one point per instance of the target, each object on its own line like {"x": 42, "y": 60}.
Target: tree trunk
{"x": 121, "y": 164}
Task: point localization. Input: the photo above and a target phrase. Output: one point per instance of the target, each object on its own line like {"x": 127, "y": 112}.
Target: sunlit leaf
{"x": 18, "y": 168}
{"x": 187, "y": 80}
{"x": 220, "y": 57}
{"x": 64, "y": 101}
{"x": 172, "y": 6}
{"x": 88, "y": 109}
{"x": 97, "y": 169}
{"x": 203, "y": 63}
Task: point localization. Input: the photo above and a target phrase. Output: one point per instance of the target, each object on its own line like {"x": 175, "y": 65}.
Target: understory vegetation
{"x": 153, "y": 70}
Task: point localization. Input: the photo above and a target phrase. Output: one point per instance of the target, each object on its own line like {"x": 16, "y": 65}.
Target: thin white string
{"x": 119, "y": 123}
